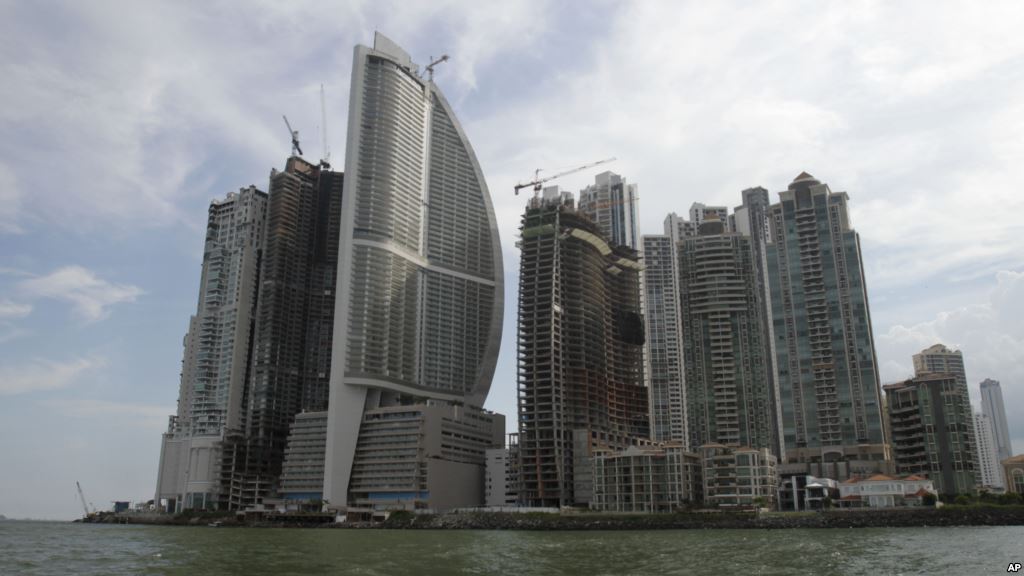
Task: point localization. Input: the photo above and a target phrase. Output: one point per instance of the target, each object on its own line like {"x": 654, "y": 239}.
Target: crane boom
{"x": 295, "y": 137}
{"x": 81, "y": 496}
{"x": 537, "y": 182}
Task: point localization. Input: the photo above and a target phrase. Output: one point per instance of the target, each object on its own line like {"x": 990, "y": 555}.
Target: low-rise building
{"x": 501, "y": 475}
{"x": 738, "y": 476}
{"x": 1013, "y": 471}
{"x": 645, "y": 479}
{"x": 428, "y": 456}
{"x": 805, "y": 492}
{"x": 882, "y": 491}
{"x": 302, "y": 475}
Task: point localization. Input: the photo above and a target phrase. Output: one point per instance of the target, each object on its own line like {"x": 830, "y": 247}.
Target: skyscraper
{"x": 215, "y": 367}
{"x": 990, "y": 473}
{"x": 992, "y": 406}
{"x": 293, "y": 329}
{"x": 933, "y": 431}
{"x": 612, "y": 204}
{"x": 729, "y": 385}
{"x": 580, "y": 351}
{"x": 828, "y": 375}
{"x": 420, "y": 292}
{"x": 938, "y": 359}
{"x": 663, "y": 347}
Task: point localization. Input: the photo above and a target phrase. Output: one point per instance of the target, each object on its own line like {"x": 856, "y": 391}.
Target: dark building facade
{"x": 294, "y": 320}
{"x": 580, "y": 344}
{"x": 933, "y": 431}
{"x": 825, "y": 355}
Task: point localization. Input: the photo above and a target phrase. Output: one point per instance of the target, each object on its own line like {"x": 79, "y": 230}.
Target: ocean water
{"x": 44, "y": 548}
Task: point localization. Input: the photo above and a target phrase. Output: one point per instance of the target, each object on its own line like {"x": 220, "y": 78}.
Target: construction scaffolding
{"x": 580, "y": 337}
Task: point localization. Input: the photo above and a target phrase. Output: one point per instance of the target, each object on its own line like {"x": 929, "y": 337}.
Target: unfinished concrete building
{"x": 580, "y": 351}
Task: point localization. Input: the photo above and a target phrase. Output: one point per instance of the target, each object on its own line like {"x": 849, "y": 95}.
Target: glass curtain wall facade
{"x": 419, "y": 304}
{"x": 828, "y": 376}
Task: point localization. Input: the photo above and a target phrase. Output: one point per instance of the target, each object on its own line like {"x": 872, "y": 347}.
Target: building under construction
{"x": 581, "y": 341}
{"x": 290, "y": 363}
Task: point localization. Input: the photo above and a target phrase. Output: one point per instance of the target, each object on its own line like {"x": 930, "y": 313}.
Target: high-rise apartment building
{"x": 990, "y": 473}
{"x": 992, "y": 406}
{"x": 612, "y": 204}
{"x": 420, "y": 292}
{"x": 663, "y": 348}
{"x": 825, "y": 353}
{"x": 293, "y": 326}
{"x": 730, "y": 392}
{"x": 933, "y": 431}
{"x": 215, "y": 367}
{"x": 678, "y": 227}
{"x": 938, "y": 359}
{"x": 580, "y": 351}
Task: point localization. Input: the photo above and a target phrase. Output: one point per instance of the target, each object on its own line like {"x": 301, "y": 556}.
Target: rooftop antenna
{"x": 296, "y": 149}
{"x": 430, "y": 67}
{"x": 325, "y": 161}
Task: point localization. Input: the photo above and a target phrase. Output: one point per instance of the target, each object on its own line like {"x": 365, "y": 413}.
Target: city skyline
{"x": 98, "y": 279}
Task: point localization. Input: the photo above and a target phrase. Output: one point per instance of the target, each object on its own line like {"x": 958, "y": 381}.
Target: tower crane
{"x": 538, "y": 181}
{"x": 295, "y": 137}
{"x": 430, "y": 67}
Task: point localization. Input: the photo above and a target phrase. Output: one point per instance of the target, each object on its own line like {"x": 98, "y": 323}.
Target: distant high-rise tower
{"x": 828, "y": 375}
{"x": 678, "y": 227}
{"x": 729, "y": 384}
{"x": 420, "y": 292}
{"x": 992, "y": 406}
{"x": 580, "y": 351}
{"x": 663, "y": 348}
{"x": 612, "y": 204}
{"x": 751, "y": 220}
{"x": 990, "y": 472}
{"x": 217, "y": 349}
{"x": 938, "y": 359}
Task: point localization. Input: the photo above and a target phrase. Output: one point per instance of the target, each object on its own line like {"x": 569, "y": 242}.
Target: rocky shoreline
{"x": 947, "y": 516}
{"x": 967, "y": 516}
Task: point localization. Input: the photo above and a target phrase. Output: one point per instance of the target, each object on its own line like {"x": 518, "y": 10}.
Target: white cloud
{"x": 990, "y": 334}
{"x": 11, "y": 309}
{"x": 148, "y": 416}
{"x": 41, "y": 375}
{"x": 89, "y": 295}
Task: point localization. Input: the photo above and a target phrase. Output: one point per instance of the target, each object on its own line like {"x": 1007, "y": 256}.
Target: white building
{"x": 216, "y": 350}
{"x": 663, "y": 347}
{"x": 612, "y": 204}
{"x": 881, "y": 491}
{"x": 992, "y": 406}
{"x": 420, "y": 292}
{"x": 989, "y": 471}
{"x": 646, "y": 479}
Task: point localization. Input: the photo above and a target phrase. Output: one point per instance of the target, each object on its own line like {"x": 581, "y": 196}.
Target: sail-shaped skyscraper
{"x": 420, "y": 298}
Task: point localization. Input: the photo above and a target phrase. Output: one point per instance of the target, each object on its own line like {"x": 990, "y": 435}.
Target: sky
{"x": 121, "y": 121}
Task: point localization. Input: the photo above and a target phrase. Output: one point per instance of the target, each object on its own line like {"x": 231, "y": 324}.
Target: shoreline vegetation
{"x": 908, "y": 517}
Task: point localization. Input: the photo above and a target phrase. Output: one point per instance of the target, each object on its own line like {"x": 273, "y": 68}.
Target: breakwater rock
{"x": 948, "y": 516}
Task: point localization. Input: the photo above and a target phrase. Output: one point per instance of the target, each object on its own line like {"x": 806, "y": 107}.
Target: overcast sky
{"x": 122, "y": 120}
